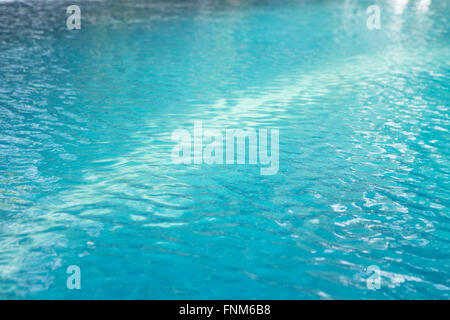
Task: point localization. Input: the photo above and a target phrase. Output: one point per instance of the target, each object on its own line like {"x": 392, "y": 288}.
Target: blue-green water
{"x": 86, "y": 176}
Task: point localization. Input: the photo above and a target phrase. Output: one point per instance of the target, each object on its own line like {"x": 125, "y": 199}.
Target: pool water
{"x": 87, "y": 179}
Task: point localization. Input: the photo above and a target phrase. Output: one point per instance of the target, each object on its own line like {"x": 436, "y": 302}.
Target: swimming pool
{"x": 87, "y": 178}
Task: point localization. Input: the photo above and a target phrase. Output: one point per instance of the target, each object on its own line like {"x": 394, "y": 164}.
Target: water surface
{"x": 86, "y": 176}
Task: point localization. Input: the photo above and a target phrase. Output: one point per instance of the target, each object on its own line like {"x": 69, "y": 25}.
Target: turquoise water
{"x": 86, "y": 176}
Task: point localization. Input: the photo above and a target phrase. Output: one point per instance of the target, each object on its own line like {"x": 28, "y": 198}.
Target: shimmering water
{"x": 86, "y": 176}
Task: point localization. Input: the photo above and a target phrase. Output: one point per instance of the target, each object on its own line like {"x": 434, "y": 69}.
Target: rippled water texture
{"x": 86, "y": 176}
